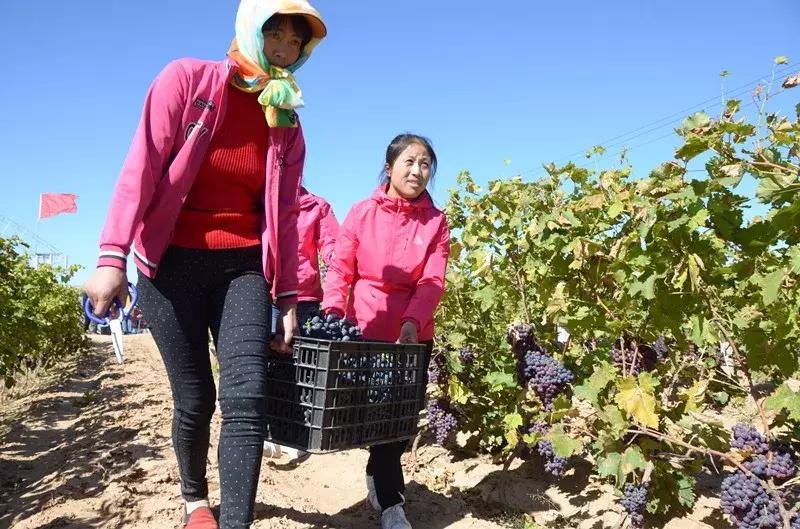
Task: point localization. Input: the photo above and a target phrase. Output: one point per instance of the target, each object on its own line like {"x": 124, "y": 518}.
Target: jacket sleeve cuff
{"x": 284, "y": 300}
{"x": 115, "y": 262}
{"x": 412, "y": 320}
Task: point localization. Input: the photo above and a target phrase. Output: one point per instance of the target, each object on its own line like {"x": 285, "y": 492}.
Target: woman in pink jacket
{"x": 208, "y": 196}
{"x": 387, "y": 275}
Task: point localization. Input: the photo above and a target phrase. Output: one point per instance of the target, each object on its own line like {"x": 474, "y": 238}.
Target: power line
{"x": 11, "y": 227}
{"x": 606, "y": 156}
{"x": 670, "y": 120}
{"x": 682, "y": 113}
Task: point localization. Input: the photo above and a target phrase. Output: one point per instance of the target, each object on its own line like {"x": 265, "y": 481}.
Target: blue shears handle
{"x": 89, "y": 309}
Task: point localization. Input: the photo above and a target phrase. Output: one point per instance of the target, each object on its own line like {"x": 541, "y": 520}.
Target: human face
{"x": 282, "y": 45}
{"x": 410, "y": 172}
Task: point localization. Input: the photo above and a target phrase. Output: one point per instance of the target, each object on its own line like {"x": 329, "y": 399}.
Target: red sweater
{"x": 224, "y": 207}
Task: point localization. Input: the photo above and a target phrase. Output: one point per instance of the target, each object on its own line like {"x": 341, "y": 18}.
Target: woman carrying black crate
{"x": 208, "y": 197}
{"x": 391, "y": 257}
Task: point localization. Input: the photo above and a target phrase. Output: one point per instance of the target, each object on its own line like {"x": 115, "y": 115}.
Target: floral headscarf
{"x": 280, "y": 94}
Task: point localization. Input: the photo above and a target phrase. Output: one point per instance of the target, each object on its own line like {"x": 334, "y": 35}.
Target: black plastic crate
{"x": 336, "y": 395}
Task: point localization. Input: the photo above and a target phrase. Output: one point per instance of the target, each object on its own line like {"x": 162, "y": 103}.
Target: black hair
{"x": 298, "y": 22}
{"x": 401, "y": 143}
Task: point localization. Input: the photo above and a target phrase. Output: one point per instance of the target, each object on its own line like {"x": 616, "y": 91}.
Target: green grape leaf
{"x": 609, "y": 465}
{"x": 563, "y": 445}
{"x": 632, "y": 460}
{"x": 499, "y": 379}
{"x": 686, "y": 493}
{"x": 784, "y": 398}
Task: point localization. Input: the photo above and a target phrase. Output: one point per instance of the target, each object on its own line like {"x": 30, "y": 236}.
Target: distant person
{"x": 208, "y": 194}
{"x": 387, "y": 274}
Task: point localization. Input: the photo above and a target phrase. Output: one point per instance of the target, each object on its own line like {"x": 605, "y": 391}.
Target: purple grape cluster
{"x": 521, "y": 338}
{"x": 633, "y": 359}
{"x": 554, "y": 465}
{"x": 330, "y": 327}
{"x": 748, "y": 439}
{"x": 748, "y": 504}
{"x": 781, "y": 467}
{"x": 660, "y": 348}
{"x": 467, "y": 355}
{"x": 438, "y": 373}
{"x": 441, "y": 420}
{"x": 539, "y": 427}
{"x": 634, "y": 500}
{"x": 535, "y": 368}
{"x": 744, "y": 498}
{"x": 758, "y": 465}
{"x": 546, "y": 376}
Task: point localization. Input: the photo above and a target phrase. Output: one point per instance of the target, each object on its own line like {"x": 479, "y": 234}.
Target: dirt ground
{"x": 88, "y": 446}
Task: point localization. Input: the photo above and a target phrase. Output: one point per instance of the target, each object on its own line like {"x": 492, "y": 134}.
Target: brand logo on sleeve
{"x": 195, "y": 126}
{"x": 202, "y": 104}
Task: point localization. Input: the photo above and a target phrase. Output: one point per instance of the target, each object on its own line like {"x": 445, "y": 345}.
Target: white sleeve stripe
{"x": 143, "y": 259}
{"x": 286, "y": 294}
{"x": 113, "y": 254}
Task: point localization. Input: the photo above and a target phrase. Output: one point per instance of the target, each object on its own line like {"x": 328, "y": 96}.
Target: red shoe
{"x": 201, "y": 518}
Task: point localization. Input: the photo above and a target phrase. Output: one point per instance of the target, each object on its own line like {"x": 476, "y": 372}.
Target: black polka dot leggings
{"x": 225, "y": 291}
{"x": 384, "y": 460}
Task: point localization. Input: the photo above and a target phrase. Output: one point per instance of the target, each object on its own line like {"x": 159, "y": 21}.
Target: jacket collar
{"x": 306, "y": 199}
{"x": 423, "y": 201}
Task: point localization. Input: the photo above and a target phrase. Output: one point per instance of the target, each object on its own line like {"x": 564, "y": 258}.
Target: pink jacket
{"x": 184, "y": 106}
{"x": 317, "y": 228}
{"x": 393, "y": 253}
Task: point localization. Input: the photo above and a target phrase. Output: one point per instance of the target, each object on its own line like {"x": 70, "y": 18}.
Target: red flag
{"x": 51, "y": 204}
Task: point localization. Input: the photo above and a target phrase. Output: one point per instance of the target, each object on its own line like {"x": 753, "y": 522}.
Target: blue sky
{"x": 519, "y": 80}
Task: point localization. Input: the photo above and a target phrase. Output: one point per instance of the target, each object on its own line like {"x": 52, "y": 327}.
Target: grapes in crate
{"x": 330, "y": 327}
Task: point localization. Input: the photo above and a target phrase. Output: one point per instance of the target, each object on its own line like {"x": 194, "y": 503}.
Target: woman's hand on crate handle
{"x": 408, "y": 333}
{"x": 282, "y": 343}
{"x": 105, "y": 284}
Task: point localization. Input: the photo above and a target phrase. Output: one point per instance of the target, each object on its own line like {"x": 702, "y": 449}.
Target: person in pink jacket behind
{"x": 317, "y": 228}
{"x": 208, "y": 196}
{"x": 388, "y": 275}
